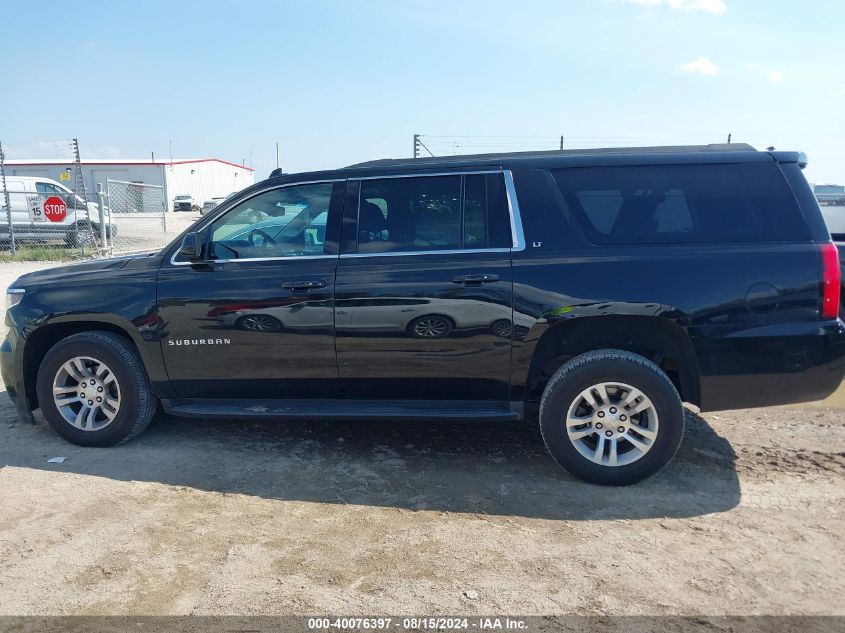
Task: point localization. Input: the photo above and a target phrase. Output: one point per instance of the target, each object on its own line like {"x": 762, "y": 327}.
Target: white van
{"x": 27, "y": 193}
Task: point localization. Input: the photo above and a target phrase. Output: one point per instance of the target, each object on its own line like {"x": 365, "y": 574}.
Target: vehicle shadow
{"x": 469, "y": 467}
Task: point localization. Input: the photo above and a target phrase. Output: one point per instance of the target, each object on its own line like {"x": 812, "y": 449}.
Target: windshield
{"x": 183, "y": 197}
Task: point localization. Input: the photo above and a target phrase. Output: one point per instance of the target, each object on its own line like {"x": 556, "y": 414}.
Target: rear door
{"x": 424, "y": 291}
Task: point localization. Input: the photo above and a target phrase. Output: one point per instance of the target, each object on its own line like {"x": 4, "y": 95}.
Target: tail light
{"x": 831, "y": 281}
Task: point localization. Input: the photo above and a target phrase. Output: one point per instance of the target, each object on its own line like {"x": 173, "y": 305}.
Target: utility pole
{"x": 418, "y": 146}
{"x": 729, "y": 138}
{"x": 6, "y": 200}
{"x": 561, "y": 142}
{"x": 277, "y": 154}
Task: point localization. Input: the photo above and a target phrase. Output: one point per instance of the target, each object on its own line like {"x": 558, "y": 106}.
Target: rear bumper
{"x": 773, "y": 365}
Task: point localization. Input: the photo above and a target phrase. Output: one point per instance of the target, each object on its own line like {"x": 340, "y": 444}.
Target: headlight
{"x": 13, "y": 297}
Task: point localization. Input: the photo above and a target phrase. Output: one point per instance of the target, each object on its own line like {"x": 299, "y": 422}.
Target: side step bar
{"x": 341, "y": 409}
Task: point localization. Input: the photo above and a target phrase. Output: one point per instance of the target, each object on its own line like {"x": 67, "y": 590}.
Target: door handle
{"x": 303, "y": 285}
{"x": 486, "y": 278}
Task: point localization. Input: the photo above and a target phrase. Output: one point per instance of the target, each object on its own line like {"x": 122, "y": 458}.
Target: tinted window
{"x": 486, "y": 216}
{"x": 682, "y": 203}
{"x": 433, "y": 213}
{"x": 282, "y": 222}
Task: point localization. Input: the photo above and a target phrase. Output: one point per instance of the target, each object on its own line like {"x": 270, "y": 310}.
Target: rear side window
{"x": 430, "y": 213}
{"x": 664, "y": 204}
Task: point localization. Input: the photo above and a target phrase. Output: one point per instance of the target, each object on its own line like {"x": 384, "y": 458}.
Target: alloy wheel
{"x": 612, "y": 424}
{"x": 86, "y": 393}
{"x": 259, "y": 323}
{"x": 431, "y": 327}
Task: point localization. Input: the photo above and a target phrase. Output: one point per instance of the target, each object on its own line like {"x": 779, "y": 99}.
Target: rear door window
{"x": 431, "y": 213}
{"x": 663, "y": 204}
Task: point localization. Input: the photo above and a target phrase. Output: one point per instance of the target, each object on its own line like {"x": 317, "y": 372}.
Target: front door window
{"x": 286, "y": 222}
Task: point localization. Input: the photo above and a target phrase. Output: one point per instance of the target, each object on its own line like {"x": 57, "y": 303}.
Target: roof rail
{"x": 665, "y": 149}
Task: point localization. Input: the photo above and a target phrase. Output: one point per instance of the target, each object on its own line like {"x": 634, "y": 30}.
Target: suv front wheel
{"x": 93, "y": 390}
{"x": 611, "y": 417}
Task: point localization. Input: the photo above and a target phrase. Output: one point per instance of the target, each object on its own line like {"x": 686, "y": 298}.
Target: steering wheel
{"x": 258, "y": 232}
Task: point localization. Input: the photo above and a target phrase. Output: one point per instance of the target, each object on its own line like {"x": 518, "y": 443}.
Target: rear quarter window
{"x": 665, "y": 204}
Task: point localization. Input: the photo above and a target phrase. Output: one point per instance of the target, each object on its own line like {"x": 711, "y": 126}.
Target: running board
{"x": 341, "y": 409}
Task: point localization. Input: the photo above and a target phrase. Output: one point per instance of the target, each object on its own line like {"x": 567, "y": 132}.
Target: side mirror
{"x": 191, "y": 247}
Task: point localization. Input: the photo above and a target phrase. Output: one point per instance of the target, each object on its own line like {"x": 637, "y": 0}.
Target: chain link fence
{"x": 138, "y": 215}
{"x": 47, "y": 225}
{"x": 68, "y": 218}
{"x": 44, "y": 219}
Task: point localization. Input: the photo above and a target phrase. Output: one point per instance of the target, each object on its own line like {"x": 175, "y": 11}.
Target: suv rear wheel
{"x": 611, "y": 417}
{"x": 93, "y": 390}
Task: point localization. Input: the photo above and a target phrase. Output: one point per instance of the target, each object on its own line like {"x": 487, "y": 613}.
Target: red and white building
{"x": 203, "y": 178}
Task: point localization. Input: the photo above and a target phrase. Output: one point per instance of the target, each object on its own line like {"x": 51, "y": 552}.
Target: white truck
{"x": 27, "y": 196}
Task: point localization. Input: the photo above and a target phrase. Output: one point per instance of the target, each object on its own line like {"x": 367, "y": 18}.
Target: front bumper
{"x": 12, "y": 378}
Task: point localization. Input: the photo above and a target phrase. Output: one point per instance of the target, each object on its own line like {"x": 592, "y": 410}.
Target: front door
{"x": 255, "y": 320}
{"x": 424, "y": 289}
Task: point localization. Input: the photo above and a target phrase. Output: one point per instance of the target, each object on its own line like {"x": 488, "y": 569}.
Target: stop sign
{"x": 55, "y": 209}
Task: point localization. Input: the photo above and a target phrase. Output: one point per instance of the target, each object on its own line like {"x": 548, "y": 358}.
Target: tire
{"x": 80, "y": 236}
{"x": 658, "y": 429}
{"x": 258, "y": 323}
{"x": 136, "y": 402}
{"x": 431, "y": 326}
{"x": 502, "y": 328}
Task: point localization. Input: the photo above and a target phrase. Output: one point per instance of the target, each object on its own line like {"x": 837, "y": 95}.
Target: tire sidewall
{"x": 126, "y": 416}
{"x": 657, "y": 388}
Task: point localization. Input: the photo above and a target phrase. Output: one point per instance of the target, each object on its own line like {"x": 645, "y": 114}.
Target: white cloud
{"x": 775, "y": 76}
{"x": 716, "y": 7}
{"x": 700, "y": 66}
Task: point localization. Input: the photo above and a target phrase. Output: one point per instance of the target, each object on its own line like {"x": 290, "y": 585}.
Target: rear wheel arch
{"x": 658, "y": 339}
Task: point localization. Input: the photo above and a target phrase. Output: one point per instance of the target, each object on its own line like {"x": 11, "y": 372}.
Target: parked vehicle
{"x": 79, "y": 225}
{"x": 185, "y": 202}
{"x": 210, "y": 205}
{"x": 633, "y": 280}
{"x": 833, "y": 195}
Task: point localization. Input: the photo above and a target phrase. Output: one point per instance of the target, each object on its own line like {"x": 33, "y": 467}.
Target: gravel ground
{"x": 216, "y": 517}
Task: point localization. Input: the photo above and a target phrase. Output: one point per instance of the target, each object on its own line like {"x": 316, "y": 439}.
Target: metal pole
{"x": 277, "y": 154}
{"x": 416, "y": 145}
{"x": 164, "y": 212}
{"x": 6, "y": 197}
{"x": 729, "y": 138}
{"x": 561, "y": 142}
{"x": 101, "y": 201}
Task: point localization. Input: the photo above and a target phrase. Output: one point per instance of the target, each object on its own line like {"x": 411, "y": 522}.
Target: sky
{"x": 337, "y": 83}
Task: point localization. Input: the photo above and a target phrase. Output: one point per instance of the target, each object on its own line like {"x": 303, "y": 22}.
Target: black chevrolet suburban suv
{"x": 590, "y": 291}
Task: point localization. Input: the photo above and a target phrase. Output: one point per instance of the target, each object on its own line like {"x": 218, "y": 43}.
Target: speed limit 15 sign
{"x": 36, "y": 213}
